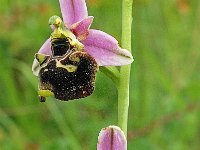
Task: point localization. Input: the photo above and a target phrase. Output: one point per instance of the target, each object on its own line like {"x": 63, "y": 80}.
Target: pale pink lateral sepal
{"x": 73, "y": 11}
{"x": 112, "y": 138}
{"x": 105, "y": 49}
{"x": 46, "y": 47}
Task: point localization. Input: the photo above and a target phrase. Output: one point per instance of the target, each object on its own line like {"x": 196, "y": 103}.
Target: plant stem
{"x": 123, "y": 89}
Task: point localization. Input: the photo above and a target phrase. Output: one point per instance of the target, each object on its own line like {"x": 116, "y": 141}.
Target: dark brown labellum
{"x": 69, "y": 77}
{"x": 68, "y": 74}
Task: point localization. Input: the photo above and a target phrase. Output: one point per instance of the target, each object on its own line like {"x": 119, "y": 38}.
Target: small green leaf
{"x": 112, "y": 73}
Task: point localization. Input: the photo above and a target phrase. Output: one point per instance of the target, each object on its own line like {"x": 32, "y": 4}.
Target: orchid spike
{"x": 111, "y": 138}
{"x": 101, "y": 46}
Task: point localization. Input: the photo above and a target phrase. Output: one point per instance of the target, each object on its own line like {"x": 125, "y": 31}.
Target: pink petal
{"x": 81, "y": 28}
{"x": 105, "y": 49}
{"x": 111, "y": 138}
{"x": 45, "y": 49}
{"x": 73, "y": 11}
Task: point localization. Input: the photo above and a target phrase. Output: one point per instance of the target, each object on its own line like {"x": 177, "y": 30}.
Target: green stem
{"x": 123, "y": 89}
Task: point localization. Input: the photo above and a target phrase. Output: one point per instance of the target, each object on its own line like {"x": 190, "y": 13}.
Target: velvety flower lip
{"x": 111, "y": 138}
{"x": 101, "y": 46}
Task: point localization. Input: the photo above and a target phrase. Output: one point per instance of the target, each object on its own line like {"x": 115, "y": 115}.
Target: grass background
{"x": 165, "y": 79}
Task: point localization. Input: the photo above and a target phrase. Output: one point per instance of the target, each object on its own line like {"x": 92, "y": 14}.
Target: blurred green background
{"x": 165, "y": 79}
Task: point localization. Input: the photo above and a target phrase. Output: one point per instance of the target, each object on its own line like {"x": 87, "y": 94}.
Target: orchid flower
{"x": 111, "y": 138}
{"x": 101, "y": 46}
